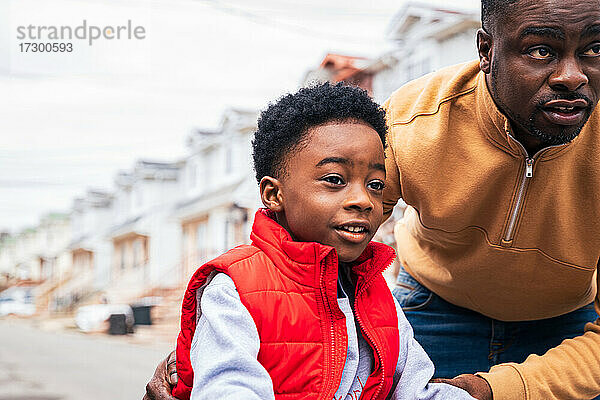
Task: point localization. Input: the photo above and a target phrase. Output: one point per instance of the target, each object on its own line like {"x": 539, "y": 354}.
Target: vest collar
{"x": 299, "y": 259}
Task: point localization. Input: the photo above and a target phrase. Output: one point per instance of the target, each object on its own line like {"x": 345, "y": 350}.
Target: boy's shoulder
{"x": 240, "y": 261}
{"x": 236, "y": 255}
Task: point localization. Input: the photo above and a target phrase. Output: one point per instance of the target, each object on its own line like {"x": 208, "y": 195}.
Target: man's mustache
{"x": 569, "y": 96}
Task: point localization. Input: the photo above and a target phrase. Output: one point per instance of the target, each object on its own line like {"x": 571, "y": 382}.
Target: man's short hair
{"x": 283, "y": 126}
{"x": 491, "y": 9}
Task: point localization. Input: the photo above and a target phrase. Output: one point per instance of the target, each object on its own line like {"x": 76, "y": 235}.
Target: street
{"x": 40, "y": 365}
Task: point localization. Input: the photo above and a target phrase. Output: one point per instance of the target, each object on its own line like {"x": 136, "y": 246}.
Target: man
{"x": 498, "y": 162}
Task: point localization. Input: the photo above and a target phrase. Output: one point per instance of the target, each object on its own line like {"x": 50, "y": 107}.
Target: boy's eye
{"x": 334, "y": 179}
{"x": 376, "y": 185}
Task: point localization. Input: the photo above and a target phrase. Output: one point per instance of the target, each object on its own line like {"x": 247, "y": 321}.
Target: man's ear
{"x": 271, "y": 194}
{"x": 484, "y": 49}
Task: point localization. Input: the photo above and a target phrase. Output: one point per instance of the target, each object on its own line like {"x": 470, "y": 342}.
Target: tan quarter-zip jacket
{"x": 493, "y": 230}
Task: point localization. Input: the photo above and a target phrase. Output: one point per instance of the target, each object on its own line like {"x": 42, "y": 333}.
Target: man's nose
{"x": 358, "y": 198}
{"x": 568, "y": 76}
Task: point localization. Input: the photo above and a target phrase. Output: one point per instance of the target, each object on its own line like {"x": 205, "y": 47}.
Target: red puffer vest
{"x": 290, "y": 290}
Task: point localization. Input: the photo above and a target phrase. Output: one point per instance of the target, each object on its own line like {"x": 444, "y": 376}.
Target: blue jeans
{"x": 463, "y": 341}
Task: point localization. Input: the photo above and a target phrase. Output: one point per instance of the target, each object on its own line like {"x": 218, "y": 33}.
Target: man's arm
{"x": 569, "y": 371}
{"x": 162, "y": 382}
{"x": 391, "y": 192}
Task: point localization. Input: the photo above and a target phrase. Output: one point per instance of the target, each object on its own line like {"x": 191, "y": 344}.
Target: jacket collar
{"x": 498, "y": 127}
{"x": 308, "y": 262}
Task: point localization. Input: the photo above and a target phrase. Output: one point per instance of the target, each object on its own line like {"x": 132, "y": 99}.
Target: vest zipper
{"x": 332, "y": 330}
{"x": 369, "y": 338}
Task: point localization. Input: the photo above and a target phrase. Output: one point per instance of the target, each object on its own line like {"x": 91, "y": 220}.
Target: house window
{"x": 228, "y": 233}
{"x": 138, "y": 252}
{"x": 192, "y": 174}
{"x": 122, "y": 258}
{"x": 425, "y": 66}
{"x": 228, "y": 159}
{"x": 201, "y": 242}
{"x": 418, "y": 68}
{"x": 185, "y": 239}
{"x": 138, "y": 196}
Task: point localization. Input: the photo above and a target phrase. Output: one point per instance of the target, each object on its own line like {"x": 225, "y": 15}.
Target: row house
{"x": 88, "y": 249}
{"x": 352, "y": 70}
{"x": 159, "y": 222}
{"x": 37, "y": 257}
{"x": 7, "y": 256}
{"x": 35, "y": 253}
{"x": 53, "y": 235}
{"x": 171, "y": 217}
{"x": 145, "y": 238}
{"x": 219, "y": 192}
{"x": 26, "y": 249}
{"x": 424, "y": 38}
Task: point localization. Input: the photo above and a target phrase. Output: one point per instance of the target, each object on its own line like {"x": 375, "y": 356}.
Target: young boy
{"x": 304, "y": 312}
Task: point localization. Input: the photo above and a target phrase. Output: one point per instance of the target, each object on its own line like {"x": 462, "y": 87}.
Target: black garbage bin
{"x": 142, "y": 314}
{"x": 117, "y": 324}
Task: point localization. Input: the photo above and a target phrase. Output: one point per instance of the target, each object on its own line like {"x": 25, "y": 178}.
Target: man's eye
{"x": 593, "y": 51}
{"x": 540, "y": 53}
{"x": 334, "y": 179}
{"x": 376, "y": 185}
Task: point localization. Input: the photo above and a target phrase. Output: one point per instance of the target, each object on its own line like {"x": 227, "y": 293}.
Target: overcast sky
{"x": 69, "y": 121}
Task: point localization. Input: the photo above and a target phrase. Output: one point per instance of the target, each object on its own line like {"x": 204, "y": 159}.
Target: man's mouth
{"x": 565, "y": 112}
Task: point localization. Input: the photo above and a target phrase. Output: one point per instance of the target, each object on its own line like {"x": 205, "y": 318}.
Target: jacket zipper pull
{"x": 529, "y": 168}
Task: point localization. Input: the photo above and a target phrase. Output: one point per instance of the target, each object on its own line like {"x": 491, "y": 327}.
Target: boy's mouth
{"x": 355, "y": 232}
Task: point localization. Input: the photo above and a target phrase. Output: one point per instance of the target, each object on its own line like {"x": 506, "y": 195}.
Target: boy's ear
{"x": 270, "y": 193}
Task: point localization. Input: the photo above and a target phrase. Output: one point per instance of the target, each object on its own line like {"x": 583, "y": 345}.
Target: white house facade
{"x": 425, "y": 38}
{"x": 220, "y": 194}
{"x": 145, "y": 239}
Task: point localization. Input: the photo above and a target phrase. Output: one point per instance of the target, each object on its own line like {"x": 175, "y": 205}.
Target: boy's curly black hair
{"x": 285, "y": 123}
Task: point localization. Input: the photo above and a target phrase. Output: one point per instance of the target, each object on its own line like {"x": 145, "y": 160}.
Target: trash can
{"x": 117, "y": 324}
{"x": 142, "y": 314}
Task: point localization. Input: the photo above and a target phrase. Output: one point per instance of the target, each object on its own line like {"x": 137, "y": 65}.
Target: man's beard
{"x": 565, "y": 134}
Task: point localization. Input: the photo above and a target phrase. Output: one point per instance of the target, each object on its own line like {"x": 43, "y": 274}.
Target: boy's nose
{"x": 358, "y": 198}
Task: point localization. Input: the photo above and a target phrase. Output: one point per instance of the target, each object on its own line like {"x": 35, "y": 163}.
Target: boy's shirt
{"x": 359, "y": 356}
{"x": 225, "y": 348}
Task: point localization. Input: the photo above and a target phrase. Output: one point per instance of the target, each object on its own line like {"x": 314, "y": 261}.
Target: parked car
{"x": 17, "y": 301}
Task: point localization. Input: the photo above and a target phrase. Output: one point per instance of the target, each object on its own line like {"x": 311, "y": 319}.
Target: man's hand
{"x": 162, "y": 382}
{"x": 475, "y": 385}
